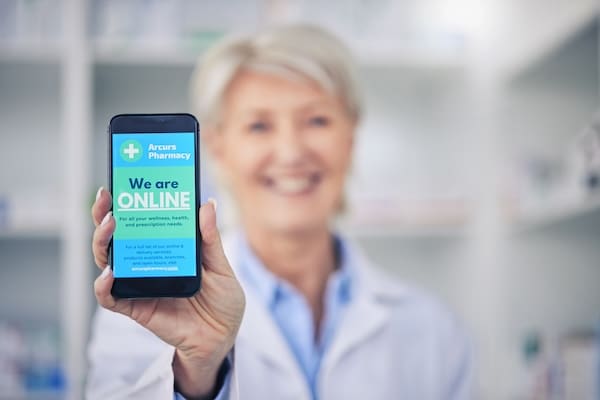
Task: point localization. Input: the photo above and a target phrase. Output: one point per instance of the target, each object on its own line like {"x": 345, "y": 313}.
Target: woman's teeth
{"x": 293, "y": 185}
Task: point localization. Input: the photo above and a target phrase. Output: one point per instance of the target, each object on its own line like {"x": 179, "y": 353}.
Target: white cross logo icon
{"x": 131, "y": 151}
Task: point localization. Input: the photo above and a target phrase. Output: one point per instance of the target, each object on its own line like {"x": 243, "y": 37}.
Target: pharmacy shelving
{"x": 30, "y": 180}
{"x": 570, "y": 66}
{"x": 550, "y": 250}
{"x": 30, "y": 265}
{"x": 44, "y": 232}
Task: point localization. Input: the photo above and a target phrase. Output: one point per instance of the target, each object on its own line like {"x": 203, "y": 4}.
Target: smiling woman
{"x": 302, "y": 100}
{"x": 285, "y": 148}
{"x": 279, "y": 111}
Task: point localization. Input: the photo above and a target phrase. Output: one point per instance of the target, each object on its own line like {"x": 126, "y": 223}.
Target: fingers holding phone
{"x": 203, "y": 324}
{"x": 152, "y": 221}
{"x": 105, "y": 226}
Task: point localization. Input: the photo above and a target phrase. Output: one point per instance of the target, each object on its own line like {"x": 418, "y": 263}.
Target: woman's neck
{"x": 305, "y": 260}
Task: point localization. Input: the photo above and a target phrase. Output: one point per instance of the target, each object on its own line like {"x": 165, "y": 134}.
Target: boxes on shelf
{"x": 566, "y": 368}
{"x": 166, "y": 26}
{"x": 589, "y": 148}
{"x": 29, "y": 22}
{"x": 30, "y": 362}
{"x": 580, "y": 354}
{"x": 30, "y": 213}
{"x": 548, "y": 187}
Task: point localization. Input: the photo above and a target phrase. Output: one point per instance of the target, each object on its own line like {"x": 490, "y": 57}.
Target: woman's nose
{"x": 289, "y": 146}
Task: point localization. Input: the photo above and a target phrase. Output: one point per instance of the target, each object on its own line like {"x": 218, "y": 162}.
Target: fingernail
{"x": 213, "y": 201}
{"x": 106, "y": 218}
{"x": 106, "y": 272}
{"x": 99, "y": 193}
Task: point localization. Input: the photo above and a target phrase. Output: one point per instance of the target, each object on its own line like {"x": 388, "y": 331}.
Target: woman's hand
{"x": 202, "y": 328}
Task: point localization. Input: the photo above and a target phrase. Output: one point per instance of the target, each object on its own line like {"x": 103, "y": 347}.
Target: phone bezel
{"x": 150, "y": 287}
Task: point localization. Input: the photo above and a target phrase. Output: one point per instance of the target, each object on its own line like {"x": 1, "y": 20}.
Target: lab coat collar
{"x": 260, "y": 332}
{"x": 367, "y": 313}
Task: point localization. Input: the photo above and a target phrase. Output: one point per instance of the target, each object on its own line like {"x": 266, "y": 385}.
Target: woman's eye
{"x": 318, "y": 121}
{"x": 258, "y": 127}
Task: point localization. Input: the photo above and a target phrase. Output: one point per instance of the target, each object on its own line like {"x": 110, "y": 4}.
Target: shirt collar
{"x": 268, "y": 287}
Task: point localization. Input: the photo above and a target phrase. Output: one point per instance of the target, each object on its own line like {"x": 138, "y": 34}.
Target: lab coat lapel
{"x": 367, "y": 313}
{"x": 260, "y": 332}
{"x": 362, "y": 320}
{"x": 258, "y": 329}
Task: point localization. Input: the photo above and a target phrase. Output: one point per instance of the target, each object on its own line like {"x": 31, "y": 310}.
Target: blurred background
{"x": 476, "y": 173}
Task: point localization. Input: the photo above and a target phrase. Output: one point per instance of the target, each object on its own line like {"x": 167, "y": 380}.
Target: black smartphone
{"x": 155, "y": 185}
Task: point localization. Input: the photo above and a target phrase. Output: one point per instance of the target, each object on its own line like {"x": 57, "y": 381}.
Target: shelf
{"x": 410, "y": 59}
{"x": 574, "y": 213}
{"x": 415, "y": 224}
{"x": 48, "y": 53}
{"x": 37, "y": 395}
{"x": 143, "y": 56}
{"x": 43, "y": 395}
{"x": 128, "y": 53}
{"x": 402, "y": 231}
{"x": 405, "y": 53}
{"x": 30, "y": 233}
{"x": 389, "y": 215}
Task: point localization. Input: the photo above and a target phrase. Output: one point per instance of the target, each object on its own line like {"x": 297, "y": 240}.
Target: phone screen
{"x": 154, "y": 204}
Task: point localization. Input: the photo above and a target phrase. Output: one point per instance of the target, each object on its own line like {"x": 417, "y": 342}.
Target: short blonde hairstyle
{"x": 298, "y": 52}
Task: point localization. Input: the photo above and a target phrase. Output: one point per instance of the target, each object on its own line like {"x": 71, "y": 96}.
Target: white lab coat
{"x": 393, "y": 342}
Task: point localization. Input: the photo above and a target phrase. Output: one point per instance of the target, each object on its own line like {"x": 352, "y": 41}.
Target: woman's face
{"x": 284, "y": 147}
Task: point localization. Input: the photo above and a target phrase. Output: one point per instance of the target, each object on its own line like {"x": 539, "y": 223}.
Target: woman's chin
{"x": 300, "y": 225}
{"x": 298, "y": 218}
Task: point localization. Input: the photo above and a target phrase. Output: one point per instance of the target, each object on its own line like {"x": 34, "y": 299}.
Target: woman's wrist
{"x": 196, "y": 378}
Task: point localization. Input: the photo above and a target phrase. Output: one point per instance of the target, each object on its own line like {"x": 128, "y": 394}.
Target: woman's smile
{"x": 301, "y": 184}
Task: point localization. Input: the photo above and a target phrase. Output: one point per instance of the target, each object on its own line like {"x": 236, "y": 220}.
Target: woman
{"x": 317, "y": 321}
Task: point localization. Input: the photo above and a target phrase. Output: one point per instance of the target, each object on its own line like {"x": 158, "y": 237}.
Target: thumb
{"x": 213, "y": 256}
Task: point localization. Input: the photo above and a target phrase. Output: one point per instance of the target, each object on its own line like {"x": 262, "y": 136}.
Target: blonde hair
{"x": 298, "y": 52}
